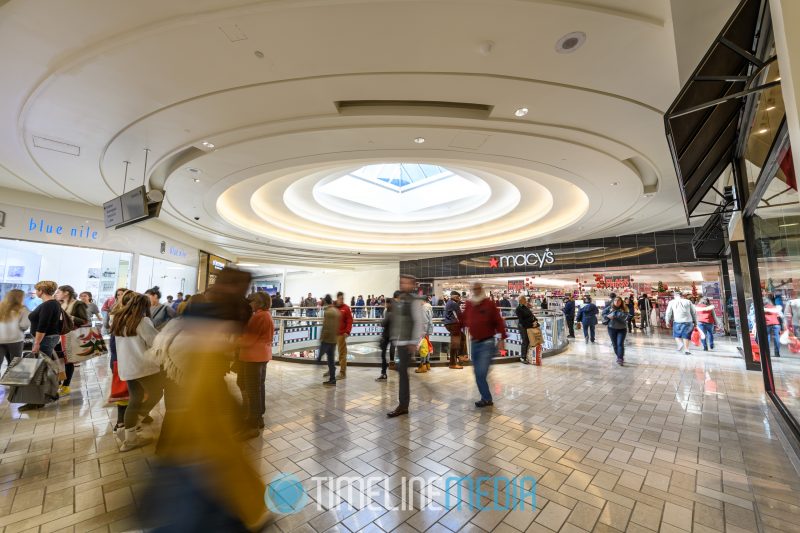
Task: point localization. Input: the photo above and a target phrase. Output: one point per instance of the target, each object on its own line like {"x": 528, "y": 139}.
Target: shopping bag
{"x": 83, "y": 344}
{"x": 119, "y": 389}
{"x": 784, "y": 337}
{"x": 696, "y": 337}
{"x": 21, "y": 371}
{"x": 755, "y": 348}
{"x": 794, "y": 344}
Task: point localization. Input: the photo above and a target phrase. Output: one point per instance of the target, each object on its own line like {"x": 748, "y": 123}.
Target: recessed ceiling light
{"x": 208, "y": 144}
{"x": 259, "y": 54}
{"x": 763, "y": 130}
{"x": 419, "y": 140}
{"x": 570, "y": 42}
{"x": 789, "y": 225}
{"x": 521, "y": 112}
{"x": 614, "y": 183}
{"x": 770, "y": 108}
{"x": 196, "y": 180}
{"x": 193, "y": 170}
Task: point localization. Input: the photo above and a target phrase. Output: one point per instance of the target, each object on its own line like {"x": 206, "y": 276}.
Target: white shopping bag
{"x": 21, "y": 371}
{"x": 784, "y": 337}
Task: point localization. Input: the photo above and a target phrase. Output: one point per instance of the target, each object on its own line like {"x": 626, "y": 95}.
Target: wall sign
{"x": 83, "y": 231}
{"x": 534, "y": 259}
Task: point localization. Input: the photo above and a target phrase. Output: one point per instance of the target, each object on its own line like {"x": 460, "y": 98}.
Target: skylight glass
{"x": 402, "y": 176}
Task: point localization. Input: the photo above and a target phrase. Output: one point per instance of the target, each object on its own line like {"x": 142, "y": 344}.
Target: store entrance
{"x": 547, "y": 290}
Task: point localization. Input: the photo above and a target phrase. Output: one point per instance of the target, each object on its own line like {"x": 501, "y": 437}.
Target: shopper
{"x": 427, "y": 327}
{"x": 13, "y": 324}
{"x": 386, "y": 340}
{"x": 587, "y": 316}
{"x": 631, "y": 305}
{"x": 331, "y": 324}
{"x": 644, "y": 311}
{"x": 544, "y": 305}
{"x": 683, "y": 318}
{"x": 177, "y": 302}
{"x": 78, "y": 313}
{"x": 407, "y": 330}
{"x": 775, "y": 323}
{"x": 706, "y": 320}
{"x": 453, "y": 319}
{"x": 255, "y": 351}
{"x": 617, "y": 316}
{"x": 183, "y": 305}
{"x": 483, "y": 321}
{"x": 108, "y": 305}
{"x": 277, "y": 302}
{"x": 160, "y": 313}
{"x": 310, "y": 303}
{"x": 91, "y": 308}
{"x": 134, "y": 333}
{"x": 569, "y": 315}
{"x": 525, "y": 320}
{"x": 345, "y": 327}
{"x": 46, "y": 322}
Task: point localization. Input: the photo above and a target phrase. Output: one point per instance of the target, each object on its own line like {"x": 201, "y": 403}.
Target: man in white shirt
{"x": 683, "y": 317}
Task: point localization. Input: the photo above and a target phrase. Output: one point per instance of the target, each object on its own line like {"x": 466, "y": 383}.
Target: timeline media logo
{"x": 285, "y": 494}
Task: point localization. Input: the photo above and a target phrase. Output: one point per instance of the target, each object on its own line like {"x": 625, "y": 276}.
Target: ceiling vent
{"x": 570, "y": 42}
{"x": 233, "y": 32}
{"x": 418, "y": 108}
{"x": 56, "y": 146}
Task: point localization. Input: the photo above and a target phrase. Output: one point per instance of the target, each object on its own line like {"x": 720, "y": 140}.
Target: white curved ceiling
{"x": 261, "y": 81}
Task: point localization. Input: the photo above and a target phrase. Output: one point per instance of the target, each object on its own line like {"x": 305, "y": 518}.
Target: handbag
{"x": 21, "y": 371}
{"x": 696, "y": 337}
{"x": 67, "y": 324}
{"x": 119, "y": 389}
{"x": 83, "y": 344}
{"x": 535, "y": 336}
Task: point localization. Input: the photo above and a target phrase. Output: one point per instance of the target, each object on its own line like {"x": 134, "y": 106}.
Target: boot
{"x": 133, "y": 441}
{"x": 427, "y": 366}
{"x": 421, "y": 369}
{"x": 454, "y": 362}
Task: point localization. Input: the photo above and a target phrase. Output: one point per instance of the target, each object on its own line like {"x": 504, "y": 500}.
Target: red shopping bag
{"x": 755, "y": 348}
{"x": 696, "y": 337}
{"x": 794, "y": 344}
{"x": 119, "y": 389}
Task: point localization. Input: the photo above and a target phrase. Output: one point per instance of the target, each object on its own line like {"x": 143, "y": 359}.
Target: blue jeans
{"x": 329, "y": 349}
{"x": 48, "y": 345}
{"x": 618, "y": 341}
{"x": 708, "y": 330}
{"x": 588, "y": 331}
{"x": 774, "y": 333}
{"x": 482, "y": 353}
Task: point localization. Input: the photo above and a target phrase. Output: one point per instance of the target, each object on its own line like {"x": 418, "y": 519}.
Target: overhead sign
{"x": 534, "y": 259}
{"x": 126, "y": 208}
{"x": 516, "y": 285}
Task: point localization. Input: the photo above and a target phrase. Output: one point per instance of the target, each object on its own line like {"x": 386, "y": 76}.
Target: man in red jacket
{"x": 482, "y": 319}
{"x": 345, "y": 327}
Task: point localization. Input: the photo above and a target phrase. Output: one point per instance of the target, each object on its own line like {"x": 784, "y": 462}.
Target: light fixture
{"x": 570, "y": 42}
{"x": 648, "y": 195}
{"x": 193, "y": 170}
{"x": 208, "y": 145}
{"x": 763, "y": 130}
{"x": 196, "y": 180}
{"x": 521, "y": 112}
{"x": 614, "y": 183}
{"x": 789, "y": 225}
{"x": 247, "y": 264}
{"x": 770, "y": 108}
{"x": 419, "y": 140}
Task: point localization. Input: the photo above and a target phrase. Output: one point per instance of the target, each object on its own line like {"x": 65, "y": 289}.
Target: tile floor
{"x": 668, "y": 443}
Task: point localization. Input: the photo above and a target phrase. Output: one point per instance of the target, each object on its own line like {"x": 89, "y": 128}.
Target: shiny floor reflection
{"x": 667, "y": 443}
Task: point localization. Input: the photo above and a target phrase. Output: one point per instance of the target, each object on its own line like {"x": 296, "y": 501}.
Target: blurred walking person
{"x": 79, "y": 314}
{"x": 255, "y": 351}
{"x": 427, "y": 319}
{"x": 13, "y": 324}
{"x": 682, "y": 315}
{"x": 483, "y": 321}
{"x": 569, "y": 315}
{"x": 386, "y": 343}
{"x": 345, "y": 327}
{"x": 587, "y": 316}
{"x": 407, "y": 330}
{"x": 331, "y": 324}
{"x": 453, "y": 319}
{"x": 706, "y": 320}
{"x": 618, "y": 315}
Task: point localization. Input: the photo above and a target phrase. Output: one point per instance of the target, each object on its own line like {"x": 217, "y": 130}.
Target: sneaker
{"x": 456, "y": 366}
{"x": 620, "y": 362}
{"x": 586, "y": 339}
{"x": 484, "y": 403}
{"x": 63, "y": 390}
{"x": 329, "y": 382}
{"x": 341, "y": 376}
{"x": 421, "y": 370}
{"x": 133, "y": 440}
{"x": 687, "y": 352}
{"x": 382, "y": 377}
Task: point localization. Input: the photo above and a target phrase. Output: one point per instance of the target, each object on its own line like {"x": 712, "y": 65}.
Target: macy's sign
{"x": 538, "y": 259}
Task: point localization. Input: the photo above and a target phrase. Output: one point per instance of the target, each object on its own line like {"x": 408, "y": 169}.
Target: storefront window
{"x": 171, "y": 278}
{"x": 777, "y": 238}
{"x": 23, "y": 263}
{"x": 768, "y": 115}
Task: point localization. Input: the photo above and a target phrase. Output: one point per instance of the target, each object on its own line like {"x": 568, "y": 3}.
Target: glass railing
{"x": 297, "y": 335}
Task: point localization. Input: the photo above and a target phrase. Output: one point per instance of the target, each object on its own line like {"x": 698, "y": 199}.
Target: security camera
{"x": 197, "y": 218}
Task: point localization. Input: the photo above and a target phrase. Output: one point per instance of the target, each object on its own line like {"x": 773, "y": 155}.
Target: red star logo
{"x": 493, "y": 263}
